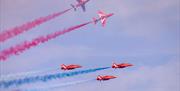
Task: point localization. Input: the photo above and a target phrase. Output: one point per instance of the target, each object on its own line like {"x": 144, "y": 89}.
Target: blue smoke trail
{"x": 44, "y": 78}
{"x": 13, "y": 76}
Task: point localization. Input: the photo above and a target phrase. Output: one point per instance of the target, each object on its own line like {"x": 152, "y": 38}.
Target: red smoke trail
{"x": 27, "y": 26}
{"x": 15, "y": 50}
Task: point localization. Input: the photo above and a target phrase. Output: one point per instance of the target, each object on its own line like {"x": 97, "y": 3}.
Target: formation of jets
{"x": 99, "y": 78}
{"x": 103, "y": 16}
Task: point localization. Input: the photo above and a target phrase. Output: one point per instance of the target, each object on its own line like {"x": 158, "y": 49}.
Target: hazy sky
{"x": 145, "y": 33}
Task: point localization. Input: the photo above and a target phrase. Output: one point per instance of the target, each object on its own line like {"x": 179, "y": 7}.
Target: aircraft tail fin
{"x": 99, "y": 77}
{"x": 114, "y": 65}
{"x": 63, "y": 66}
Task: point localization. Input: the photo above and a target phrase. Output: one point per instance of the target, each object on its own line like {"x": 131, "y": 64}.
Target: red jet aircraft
{"x": 70, "y": 67}
{"x": 80, "y": 3}
{"x": 122, "y": 65}
{"x": 103, "y": 17}
{"x": 103, "y": 78}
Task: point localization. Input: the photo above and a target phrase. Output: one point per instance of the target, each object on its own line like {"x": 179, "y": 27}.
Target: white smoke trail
{"x": 58, "y": 86}
{"x": 25, "y": 74}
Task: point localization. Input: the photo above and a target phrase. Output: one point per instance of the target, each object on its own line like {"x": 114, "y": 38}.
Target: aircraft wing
{"x": 83, "y": 7}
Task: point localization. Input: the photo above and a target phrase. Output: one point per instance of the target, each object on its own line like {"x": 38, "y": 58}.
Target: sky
{"x": 145, "y": 33}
